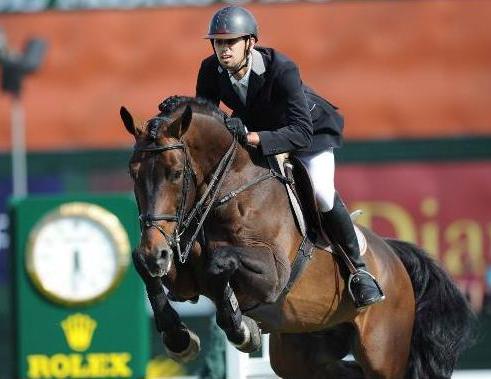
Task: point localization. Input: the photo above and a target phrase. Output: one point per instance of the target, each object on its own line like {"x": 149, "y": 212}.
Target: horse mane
{"x": 199, "y": 104}
{"x": 171, "y": 104}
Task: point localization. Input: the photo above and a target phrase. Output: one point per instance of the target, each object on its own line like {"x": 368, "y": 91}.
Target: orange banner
{"x": 396, "y": 69}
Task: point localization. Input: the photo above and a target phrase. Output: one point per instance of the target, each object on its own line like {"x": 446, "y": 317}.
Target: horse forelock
{"x": 154, "y": 125}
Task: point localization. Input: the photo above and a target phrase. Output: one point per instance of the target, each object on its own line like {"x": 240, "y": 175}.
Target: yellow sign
{"x": 163, "y": 367}
{"x": 79, "y": 330}
{"x": 92, "y": 365}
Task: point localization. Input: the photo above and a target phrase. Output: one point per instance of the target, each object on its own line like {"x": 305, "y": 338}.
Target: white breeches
{"x": 321, "y": 169}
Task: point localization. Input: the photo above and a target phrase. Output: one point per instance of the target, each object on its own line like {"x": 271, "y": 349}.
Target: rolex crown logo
{"x": 79, "y": 329}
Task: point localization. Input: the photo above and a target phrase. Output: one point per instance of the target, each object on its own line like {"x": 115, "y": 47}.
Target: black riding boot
{"x": 339, "y": 228}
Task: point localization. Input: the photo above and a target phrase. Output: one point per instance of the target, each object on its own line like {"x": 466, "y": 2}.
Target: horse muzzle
{"x": 163, "y": 263}
{"x": 156, "y": 263}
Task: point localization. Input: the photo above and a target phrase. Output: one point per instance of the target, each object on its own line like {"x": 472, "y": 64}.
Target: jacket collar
{"x": 256, "y": 79}
{"x": 258, "y": 66}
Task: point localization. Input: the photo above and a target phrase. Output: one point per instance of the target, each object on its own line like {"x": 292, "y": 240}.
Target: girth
{"x": 304, "y": 255}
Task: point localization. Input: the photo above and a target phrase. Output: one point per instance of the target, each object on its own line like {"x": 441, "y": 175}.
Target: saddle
{"x": 304, "y": 204}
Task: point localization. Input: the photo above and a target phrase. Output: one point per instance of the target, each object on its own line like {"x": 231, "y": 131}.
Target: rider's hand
{"x": 253, "y": 139}
{"x": 237, "y": 128}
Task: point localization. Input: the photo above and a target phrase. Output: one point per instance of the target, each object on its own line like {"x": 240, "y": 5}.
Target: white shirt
{"x": 240, "y": 86}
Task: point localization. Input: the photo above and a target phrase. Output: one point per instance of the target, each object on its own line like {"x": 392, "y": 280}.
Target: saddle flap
{"x": 308, "y": 203}
{"x": 304, "y": 203}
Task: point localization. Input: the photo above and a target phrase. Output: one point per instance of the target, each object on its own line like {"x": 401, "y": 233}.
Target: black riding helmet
{"x": 232, "y": 22}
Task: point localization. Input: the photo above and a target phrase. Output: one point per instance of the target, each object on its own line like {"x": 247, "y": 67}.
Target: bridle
{"x": 183, "y": 218}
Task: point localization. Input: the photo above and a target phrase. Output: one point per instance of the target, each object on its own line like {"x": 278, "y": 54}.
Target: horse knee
{"x": 223, "y": 262}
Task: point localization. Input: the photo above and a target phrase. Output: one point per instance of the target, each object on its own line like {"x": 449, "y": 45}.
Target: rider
{"x": 275, "y": 111}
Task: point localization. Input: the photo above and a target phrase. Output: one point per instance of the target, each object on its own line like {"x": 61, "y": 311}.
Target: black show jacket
{"x": 287, "y": 115}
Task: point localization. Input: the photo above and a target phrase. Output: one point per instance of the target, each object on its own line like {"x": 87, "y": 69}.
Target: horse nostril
{"x": 166, "y": 254}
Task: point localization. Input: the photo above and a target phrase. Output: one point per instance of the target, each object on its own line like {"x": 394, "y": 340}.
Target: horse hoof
{"x": 189, "y": 353}
{"x": 252, "y": 340}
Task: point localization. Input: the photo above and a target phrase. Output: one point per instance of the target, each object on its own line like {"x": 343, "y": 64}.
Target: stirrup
{"x": 350, "y": 279}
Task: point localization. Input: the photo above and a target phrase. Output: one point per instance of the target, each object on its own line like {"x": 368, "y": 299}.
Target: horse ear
{"x": 180, "y": 127}
{"x": 128, "y": 120}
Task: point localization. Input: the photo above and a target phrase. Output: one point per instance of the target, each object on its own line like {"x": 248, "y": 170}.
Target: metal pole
{"x": 19, "y": 164}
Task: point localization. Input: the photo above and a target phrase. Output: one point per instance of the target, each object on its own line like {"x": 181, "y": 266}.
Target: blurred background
{"x": 412, "y": 78}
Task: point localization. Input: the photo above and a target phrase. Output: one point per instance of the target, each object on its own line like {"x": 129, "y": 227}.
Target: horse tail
{"x": 444, "y": 325}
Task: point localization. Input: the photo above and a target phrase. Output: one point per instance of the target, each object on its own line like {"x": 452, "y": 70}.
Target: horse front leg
{"x": 241, "y": 331}
{"x": 180, "y": 343}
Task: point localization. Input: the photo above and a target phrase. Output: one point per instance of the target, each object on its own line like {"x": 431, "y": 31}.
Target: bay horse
{"x": 216, "y": 222}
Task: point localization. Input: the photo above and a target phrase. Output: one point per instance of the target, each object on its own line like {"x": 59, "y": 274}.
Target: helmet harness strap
{"x": 245, "y": 61}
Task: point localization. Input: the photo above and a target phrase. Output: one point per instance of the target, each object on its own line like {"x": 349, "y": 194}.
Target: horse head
{"x": 169, "y": 167}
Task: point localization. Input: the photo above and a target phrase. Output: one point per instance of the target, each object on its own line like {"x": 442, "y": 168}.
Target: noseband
{"x": 201, "y": 208}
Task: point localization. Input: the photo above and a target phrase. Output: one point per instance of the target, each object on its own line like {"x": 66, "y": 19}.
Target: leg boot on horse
{"x": 180, "y": 343}
{"x": 241, "y": 330}
{"x": 338, "y": 226}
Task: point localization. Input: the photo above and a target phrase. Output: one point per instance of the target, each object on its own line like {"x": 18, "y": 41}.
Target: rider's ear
{"x": 128, "y": 121}
{"x": 180, "y": 127}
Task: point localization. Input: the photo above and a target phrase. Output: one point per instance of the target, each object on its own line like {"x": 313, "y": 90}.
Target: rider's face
{"x": 230, "y": 52}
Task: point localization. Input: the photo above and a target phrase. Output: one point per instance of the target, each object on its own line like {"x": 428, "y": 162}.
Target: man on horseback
{"x": 274, "y": 111}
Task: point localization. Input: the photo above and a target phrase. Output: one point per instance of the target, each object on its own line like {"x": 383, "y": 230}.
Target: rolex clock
{"x": 77, "y": 253}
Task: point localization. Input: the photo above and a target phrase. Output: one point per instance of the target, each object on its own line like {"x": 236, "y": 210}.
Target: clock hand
{"x": 76, "y": 262}
{"x": 76, "y": 269}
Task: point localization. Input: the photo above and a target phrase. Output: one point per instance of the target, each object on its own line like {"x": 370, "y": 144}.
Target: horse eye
{"x": 177, "y": 174}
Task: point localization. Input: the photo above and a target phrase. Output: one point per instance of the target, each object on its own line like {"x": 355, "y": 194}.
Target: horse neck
{"x": 209, "y": 141}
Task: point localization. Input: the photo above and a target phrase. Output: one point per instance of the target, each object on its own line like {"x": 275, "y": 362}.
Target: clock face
{"x": 77, "y": 253}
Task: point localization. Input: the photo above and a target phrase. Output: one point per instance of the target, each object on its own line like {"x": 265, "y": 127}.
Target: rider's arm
{"x": 206, "y": 86}
{"x": 297, "y": 132}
